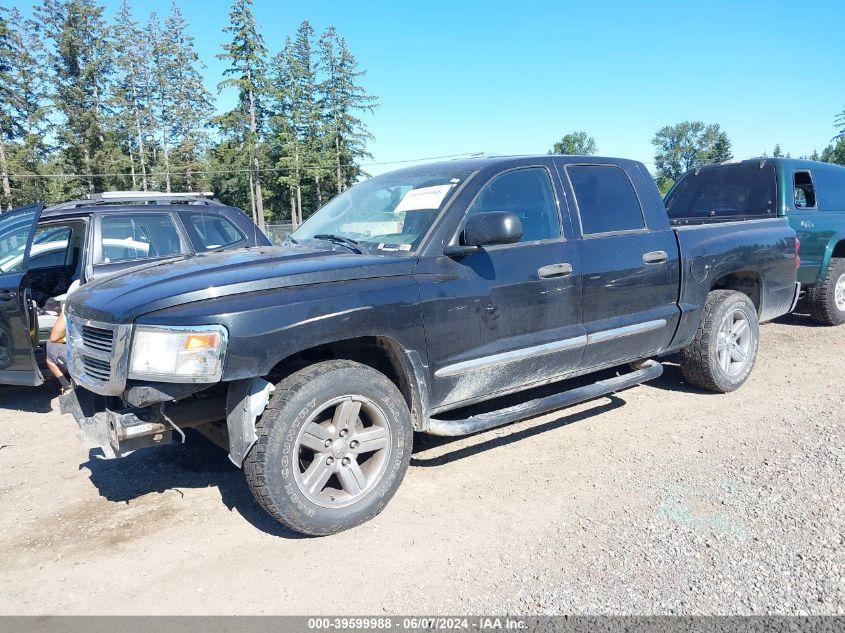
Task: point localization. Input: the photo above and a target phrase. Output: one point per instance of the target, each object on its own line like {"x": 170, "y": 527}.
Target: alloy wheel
{"x": 736, "y": 339}
{"x": 342, "y": 451}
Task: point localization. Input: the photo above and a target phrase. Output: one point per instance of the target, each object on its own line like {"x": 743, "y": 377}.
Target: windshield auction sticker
{"x": 423, "y": 198}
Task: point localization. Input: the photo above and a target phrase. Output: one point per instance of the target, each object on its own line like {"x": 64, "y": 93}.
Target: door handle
{"x": 555, "y": 270}
{"x": 6, "y": 295}
{"x": 656, "y": 257}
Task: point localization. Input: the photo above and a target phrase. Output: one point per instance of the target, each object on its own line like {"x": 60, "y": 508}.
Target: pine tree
{"x": 287, "y": 124}
{"x": 246, "y": 73}
{"x": 190, "y": 102}
{"x": 163, "y": 67}
{"x": 129, "y": 100}
{"x": 343, "y": 100}
{"x": 9, "y": 105}
{"x": 82, "y": 64}
{"x": 23, "y": 119}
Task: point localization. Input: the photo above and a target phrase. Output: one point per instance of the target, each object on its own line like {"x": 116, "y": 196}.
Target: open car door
{"x": 17, "y": 318}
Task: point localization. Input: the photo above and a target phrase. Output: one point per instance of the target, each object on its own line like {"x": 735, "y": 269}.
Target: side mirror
{"x": 494, "y": 227}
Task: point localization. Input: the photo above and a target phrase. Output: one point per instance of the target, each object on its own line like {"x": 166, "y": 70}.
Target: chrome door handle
{"x": 6, "y": 295}
{"x": 656, "y": 257}
{"x": 555, "y": 270}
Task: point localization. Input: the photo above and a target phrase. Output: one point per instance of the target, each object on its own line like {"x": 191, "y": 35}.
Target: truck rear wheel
{"x": 333, "y": 446}
{"x": 722, "y": 354}
{"x": 827, "y": 299}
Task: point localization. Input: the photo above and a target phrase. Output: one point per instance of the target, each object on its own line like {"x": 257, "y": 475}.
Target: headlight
{"x": 178, "y": 354}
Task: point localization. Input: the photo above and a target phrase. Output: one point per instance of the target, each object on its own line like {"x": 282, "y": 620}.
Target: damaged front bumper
{"x": 117, "y": 432}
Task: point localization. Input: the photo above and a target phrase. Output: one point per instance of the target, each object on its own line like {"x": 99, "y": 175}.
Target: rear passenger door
{"x": 628, "y": 264}
{"x": 122, "y": 240}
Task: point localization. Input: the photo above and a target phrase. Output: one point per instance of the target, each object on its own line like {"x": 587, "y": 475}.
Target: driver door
{"x": 17, "y": 354}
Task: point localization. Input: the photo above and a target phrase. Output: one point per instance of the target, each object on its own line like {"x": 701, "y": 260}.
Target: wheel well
{"x": 382, "y": 354}
{"x": 746, "y": 282}
{"x": 839, "y": 249}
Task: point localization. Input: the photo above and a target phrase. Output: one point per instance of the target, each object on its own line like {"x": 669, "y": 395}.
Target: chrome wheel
{"x": 734, "y": 346}
{"x": 839, "y": 294}
{"x": 342, "y": 451}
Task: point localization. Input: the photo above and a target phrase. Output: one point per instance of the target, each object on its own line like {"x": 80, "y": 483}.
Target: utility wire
{"x": 246, "y": 171}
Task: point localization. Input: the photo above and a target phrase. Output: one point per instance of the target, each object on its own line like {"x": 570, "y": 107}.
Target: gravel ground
{"x": 661, "y": 499}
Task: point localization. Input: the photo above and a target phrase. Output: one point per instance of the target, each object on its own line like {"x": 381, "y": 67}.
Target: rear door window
{"x": 607, "y": 202}
{"x": 138, "y": 237}
{"x": 210, "y": 232}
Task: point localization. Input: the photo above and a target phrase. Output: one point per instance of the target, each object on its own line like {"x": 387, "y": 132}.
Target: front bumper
{"x": 118, "y": 433}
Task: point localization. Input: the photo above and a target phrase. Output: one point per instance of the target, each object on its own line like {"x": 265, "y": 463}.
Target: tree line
{"x": 690, "y": 144}
{"x": 89, "y": 104}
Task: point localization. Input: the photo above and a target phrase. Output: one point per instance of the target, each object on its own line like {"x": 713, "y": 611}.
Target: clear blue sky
{"x": 512, "y": 77}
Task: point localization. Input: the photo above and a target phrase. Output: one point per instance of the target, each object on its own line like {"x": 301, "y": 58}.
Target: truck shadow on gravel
{"x": 29, "y": 399}
{"x": 800, "y": 319}
{"x": 426, "y": 442}
{"x": 196, "y": 464}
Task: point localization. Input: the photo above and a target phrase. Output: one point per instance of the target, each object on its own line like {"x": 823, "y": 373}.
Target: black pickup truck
{"x": 446, "y": 299}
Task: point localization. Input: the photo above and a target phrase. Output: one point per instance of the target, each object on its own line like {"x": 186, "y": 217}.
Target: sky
{"x": 511, "y": 77}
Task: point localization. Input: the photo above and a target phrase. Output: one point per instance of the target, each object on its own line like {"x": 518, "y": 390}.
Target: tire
{"x": 827, "y": 299}
{"x": 703, "y": 360}
{"x": 325, "y": 480}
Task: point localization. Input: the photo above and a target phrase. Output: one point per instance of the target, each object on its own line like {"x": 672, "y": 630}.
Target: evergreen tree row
{"x": 90, "y": 105}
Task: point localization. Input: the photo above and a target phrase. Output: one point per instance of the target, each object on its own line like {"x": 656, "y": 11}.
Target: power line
{"x": 244, "y": 171}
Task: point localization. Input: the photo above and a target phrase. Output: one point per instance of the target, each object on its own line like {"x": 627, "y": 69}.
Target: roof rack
{"x": 149, "y": 195}
{"x": 139, "y": 198}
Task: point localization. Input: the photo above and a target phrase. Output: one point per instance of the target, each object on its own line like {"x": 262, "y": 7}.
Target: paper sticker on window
{"x": 423, "y": 198}
{"x": 393, "y": 247}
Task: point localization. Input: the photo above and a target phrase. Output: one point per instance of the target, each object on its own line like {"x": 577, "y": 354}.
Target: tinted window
{"x": 726, "y": 192}
{"x": 831, "y": 184}
{"x": 211, "y": 232}
{"x": 141, "y": 236}
{"x": 49, "y": 247}
{"x": 527, "y": 193}
{"x": 804, "y": 193}
{"x": 606, "y": 199}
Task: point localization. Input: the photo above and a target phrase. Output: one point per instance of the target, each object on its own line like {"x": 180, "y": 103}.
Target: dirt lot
{"x": 661, "y": 499}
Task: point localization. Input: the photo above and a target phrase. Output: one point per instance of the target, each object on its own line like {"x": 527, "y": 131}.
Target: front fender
{"x": 270, "y": 326}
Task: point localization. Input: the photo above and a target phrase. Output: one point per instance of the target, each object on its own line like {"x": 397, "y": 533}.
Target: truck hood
{"x": 122, "y": 297}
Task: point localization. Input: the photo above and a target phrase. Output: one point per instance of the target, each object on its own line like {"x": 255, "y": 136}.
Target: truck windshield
{"x": 725, "y": 192}
{"x": 387, "y": 213}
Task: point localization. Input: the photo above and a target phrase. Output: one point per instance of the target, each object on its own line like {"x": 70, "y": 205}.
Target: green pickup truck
{"x": 810, "y": 194}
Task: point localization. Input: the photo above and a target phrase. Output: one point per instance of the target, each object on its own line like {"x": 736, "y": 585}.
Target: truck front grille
{"x": 98, "y": 338}
{"x": 98, "y": 355}
{"x": 96, "y": 368}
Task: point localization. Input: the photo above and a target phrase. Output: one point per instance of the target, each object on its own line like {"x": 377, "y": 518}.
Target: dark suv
{"x": 84, "y": 239}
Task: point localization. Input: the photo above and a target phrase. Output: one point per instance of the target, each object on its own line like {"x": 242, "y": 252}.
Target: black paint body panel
{"x": 487, "y": 306}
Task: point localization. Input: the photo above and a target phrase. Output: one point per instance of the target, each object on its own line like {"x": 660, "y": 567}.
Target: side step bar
{"x": 649, "y": 370}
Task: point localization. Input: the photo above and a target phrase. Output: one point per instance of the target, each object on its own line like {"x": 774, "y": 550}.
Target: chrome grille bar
{"x": 98, "y": 355}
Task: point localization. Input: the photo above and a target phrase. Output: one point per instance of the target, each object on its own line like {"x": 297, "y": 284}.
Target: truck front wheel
{"x": 827, "y": 299}
{"x": 722, "y": 354}
{"x": 333, "y": 446}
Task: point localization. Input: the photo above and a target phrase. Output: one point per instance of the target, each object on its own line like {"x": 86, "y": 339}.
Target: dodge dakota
{"x": 446, "y": 299}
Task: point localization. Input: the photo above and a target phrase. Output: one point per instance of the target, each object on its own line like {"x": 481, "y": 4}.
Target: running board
{"x": 649, "y": 370}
